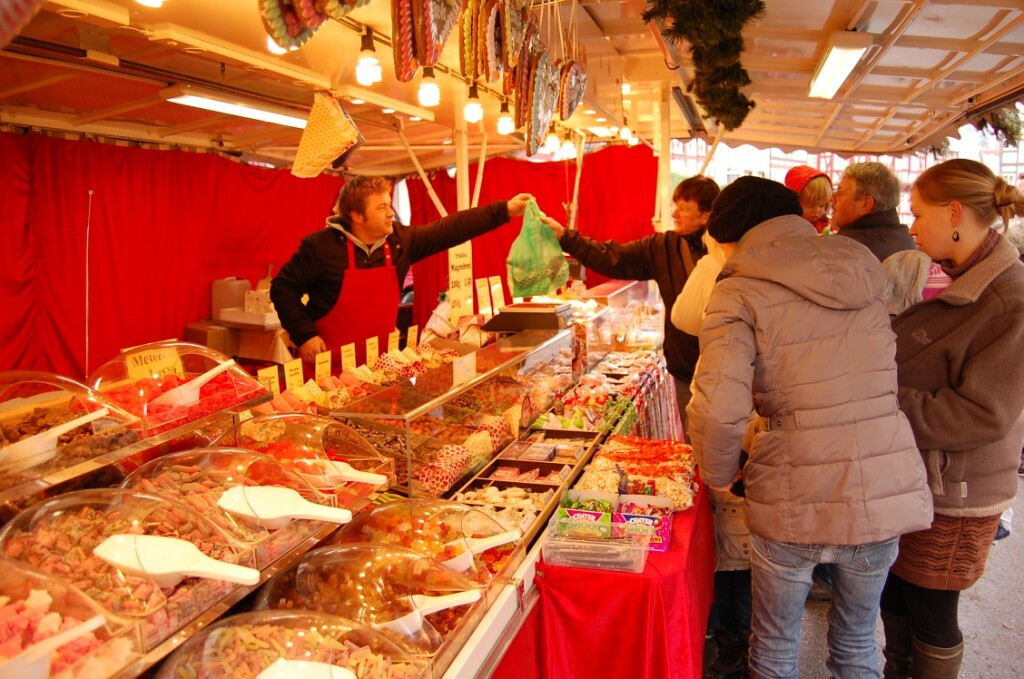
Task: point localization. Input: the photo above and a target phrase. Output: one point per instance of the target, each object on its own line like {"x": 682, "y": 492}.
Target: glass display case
{"x": 34, "y": 607}
{"x": 53, "y": 429}
{"x": 445, "y": 531}
{"x": 59, "y": 536}
{"x": 450, "y": 421}
{"x": 201, "y": 478}
{"x": 317, "y": 448}
{"x": 393, "y": 589}
{"x": 245, "y": 646}
{"x": 170, "y": 384}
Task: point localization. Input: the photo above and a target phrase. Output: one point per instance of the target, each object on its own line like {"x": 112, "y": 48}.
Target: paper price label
{"x": 483, "y": 297}
{"x": 460, "y": 281}
{"x": 268, "y": 378}
{"x": 413, "y": 338}
{"x": 293, "y": 374}
{"x": 372, "y": 351}
{"x": 348, "y": 357}
{"x": 393, "y": 340}
{"x": 154, "y": 363}
{"x": 244, "y": 416}
{"x": 463, "y": 369}
{"x": 323, "y": 365}
{"x": 497, "y": 293}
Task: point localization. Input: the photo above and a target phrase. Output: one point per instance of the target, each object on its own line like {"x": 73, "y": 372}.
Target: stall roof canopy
{"x": 104, "y": 67}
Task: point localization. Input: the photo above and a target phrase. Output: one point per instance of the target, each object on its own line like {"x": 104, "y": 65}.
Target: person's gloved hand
{"x": 517, "y": 204}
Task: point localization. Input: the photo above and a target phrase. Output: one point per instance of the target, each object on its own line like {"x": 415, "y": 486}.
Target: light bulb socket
{"x": 504, "y": 106}
{"x": 473, "y": 91}
{"x": 366, "y": 42}
{"x": 428, "y": 72}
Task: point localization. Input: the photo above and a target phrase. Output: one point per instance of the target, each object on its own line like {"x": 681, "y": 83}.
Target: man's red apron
{"x": 367, "y": 305}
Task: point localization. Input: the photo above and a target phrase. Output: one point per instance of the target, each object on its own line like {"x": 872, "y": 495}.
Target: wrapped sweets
{"x": 243, "y": 646}
{"x": 446, "y": 467}
{"x": 58, "y": 538}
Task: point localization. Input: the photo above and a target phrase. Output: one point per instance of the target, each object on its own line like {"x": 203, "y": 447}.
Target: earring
{"x": 956, "y": 236}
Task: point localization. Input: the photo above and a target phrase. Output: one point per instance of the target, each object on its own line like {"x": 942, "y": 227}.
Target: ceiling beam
{"x": 875, "y": 128}
{"x": 126, "y": 107}
{"x": 36, "y": 84}
{"x": 194, "y": 125}
{"x": 257, "y": 138}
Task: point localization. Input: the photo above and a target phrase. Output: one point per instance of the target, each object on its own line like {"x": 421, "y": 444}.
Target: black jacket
{"x": 659, "y": 258}
{"x": 318, "y": 267}
{"x": 881, "y": 232}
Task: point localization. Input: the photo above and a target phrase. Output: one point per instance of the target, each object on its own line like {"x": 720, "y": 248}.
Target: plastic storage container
{"x": 58, "y": 538}
{"x": 566, "y": 543}
{"x": 372, "y": 583}
{"x": 433, "y": 528}
{"x": 35, "y": 606}
{"x": 198, "y": 478}
{"x": 34, "y": 403}
{"x": 141, "y": 375}
{"x": 228, "y": 293}
{"x": 308, "y": 444}
{"x": 243, "y": 646}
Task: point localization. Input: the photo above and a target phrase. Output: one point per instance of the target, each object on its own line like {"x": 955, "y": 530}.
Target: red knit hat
{"x": 797, "y": 177}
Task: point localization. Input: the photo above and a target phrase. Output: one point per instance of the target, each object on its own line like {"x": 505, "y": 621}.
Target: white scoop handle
{"x": 189, "y": 391}
{"x": 274, "y": 506}
{"x": 304, "y": 669}
{"x": 208, "y": 567}
{"x": 432, "y": 604}
{"x": 346, "y": 472}
{"x": 46, "y": 440}
{"x": 51, "y": 644}
{"x": 479, "y": 545}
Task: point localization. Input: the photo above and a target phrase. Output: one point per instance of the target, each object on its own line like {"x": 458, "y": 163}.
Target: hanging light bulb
{"x": 429, "y": 93}
{"x": 633, "y": 140}
{"x": 474, "y": 111}
{"x": 505, "y": 123}
{"x": 552, "y": 143}
{"x": 274, "y": 48}
{"x": 368, "y": 69}
{"x": 568, "y": 149}
{"x": 626, "y": 89}
{"x": 625, "y": 133}
{"x": 155, "y": 4}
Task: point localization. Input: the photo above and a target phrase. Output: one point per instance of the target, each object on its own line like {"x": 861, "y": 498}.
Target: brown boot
{"x": 932, "y": 662}
{"x": 899, "y": 649}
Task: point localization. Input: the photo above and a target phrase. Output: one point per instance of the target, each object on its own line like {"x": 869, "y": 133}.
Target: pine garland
{"x": 713, "y": 30}
{"x": 1004, "y": 123}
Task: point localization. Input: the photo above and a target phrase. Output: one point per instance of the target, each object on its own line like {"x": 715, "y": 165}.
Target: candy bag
{"x": 535, "y": 262}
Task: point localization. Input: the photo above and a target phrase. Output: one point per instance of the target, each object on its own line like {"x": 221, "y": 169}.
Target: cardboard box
{"x": 210, "y": 334}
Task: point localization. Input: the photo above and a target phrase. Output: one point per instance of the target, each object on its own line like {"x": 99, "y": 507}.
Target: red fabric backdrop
{"x": 617, "y": 190}
{"x": 164, "y": 225}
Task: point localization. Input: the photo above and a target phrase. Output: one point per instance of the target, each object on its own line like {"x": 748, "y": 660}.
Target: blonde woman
{"x": 961, "y": 385}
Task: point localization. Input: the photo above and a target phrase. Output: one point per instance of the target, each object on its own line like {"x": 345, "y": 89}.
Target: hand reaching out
{"x": 555, "y": 226}
{"x": 517, "y": 204}
{"x": 311, "y": 347}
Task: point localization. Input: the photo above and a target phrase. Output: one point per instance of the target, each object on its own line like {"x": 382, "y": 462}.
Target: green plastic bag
{"x": 535, "y": 262}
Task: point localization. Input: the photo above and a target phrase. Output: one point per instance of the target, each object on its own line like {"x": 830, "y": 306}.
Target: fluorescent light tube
{"x": 844, "y": 52}
{"x": 186, "y": 96}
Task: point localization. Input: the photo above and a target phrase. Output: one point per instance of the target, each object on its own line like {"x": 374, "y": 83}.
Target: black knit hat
{"x": 747, "y": 202}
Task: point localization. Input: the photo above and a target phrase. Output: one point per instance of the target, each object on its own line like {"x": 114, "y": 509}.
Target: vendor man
{"x": 352, "y": 270}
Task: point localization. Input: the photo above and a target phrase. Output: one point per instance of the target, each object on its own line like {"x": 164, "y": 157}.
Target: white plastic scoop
{"x": 470, "y": 546}
{"x": 273, "y": 506}
{"x": 39, "y": 448}
{"x": 343, "y": 471}
{"x": 34, "y": 661}
{"x": 185, "y": 394}
{"x": 167, "y": 560}
{"x": 422, "y": 605}
{"x": 304, "y": 669}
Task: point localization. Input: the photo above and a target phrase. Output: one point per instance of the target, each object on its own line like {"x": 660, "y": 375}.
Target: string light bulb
{"x": 429, "y": 93}
{"x": 368, "y": 68}
{"x": 633, "y": 140}
{"x": 625, "y": 134}
{"x": 552, "y": 143}
{"x": 505, "y": 123}
{"x": 626, "y": 89}
{"x": 568, "y": 148}
{"x": 474, "y": 111}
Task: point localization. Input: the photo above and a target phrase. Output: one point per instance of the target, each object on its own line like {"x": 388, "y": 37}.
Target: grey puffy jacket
{"x": 796, "y": 329}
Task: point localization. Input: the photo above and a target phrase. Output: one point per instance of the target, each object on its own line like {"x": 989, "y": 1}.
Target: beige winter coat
{"x": 796, "y": 329}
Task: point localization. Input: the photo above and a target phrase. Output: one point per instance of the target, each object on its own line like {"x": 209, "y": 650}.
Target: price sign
{"x": 463, "y": 369}
{"x": 348, "y": 357}
{"x": 268, "y": 378}
{"x": 413, "y": 338}
{"x": 323, "y": 365}
{"x": 372, "y": 351}
{"x": 154, "y": 363}
{"x": 497, "y": 293}
{"x": 460, "y": 281}
{"x": 293, "y": 374}
{"x": 393, "y": 340}
{"x": 483, "y": 297}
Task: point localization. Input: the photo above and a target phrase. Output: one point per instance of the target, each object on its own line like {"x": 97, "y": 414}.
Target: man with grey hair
{"x": 864, "y": 209}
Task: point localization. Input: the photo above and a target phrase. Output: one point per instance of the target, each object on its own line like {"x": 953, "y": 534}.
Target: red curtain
{"x": 617, "y": 190}
{"x": 162, "y": 225}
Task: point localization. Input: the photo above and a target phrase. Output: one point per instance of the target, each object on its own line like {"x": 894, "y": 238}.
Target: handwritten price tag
{"x": 393, "y": 340}
{"x": 323, "y": 365}
{"x": 372, "y": 351}
{"x": 268, "y": 378}
{"x": 483, "y": 297}
{"x": 497, "y": 293}
{"x": 293, "y": 374}
{"x": 413, "y": 338}
{"x": 348, "y": 357}
{"x": 154, "y": 363}
{"x": 463, "y": 369}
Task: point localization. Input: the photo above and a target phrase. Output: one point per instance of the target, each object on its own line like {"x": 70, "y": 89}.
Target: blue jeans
{"x": 781, "y": 581}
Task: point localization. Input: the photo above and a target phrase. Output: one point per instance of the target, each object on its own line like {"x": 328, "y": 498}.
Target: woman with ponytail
{"x": 961, "y": 385}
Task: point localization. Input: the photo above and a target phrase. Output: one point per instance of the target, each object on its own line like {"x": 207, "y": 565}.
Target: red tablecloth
{"x": 596, "y": 623}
